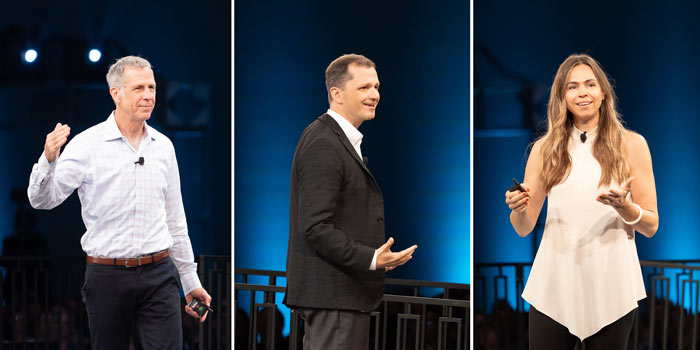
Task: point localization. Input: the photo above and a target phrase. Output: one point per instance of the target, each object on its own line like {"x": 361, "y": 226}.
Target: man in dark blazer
{"x": 337, "y": 256}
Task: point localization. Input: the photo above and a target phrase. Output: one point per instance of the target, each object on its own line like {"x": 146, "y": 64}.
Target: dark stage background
{"x": 189, "y": 46}
{"x": 418, "y": 144}
{"x": 648, "y": 48}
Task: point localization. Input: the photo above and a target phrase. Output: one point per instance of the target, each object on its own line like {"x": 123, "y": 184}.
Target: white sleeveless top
{"x": 586, "y": 273}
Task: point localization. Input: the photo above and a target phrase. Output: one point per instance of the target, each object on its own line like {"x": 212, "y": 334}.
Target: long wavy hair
{"x": 608, "y": 147}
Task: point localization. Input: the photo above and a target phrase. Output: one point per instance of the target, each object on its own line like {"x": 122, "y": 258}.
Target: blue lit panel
{"x": 418, "y": 144}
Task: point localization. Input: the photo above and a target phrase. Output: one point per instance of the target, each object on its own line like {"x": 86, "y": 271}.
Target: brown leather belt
{"x": 130, "y": 262}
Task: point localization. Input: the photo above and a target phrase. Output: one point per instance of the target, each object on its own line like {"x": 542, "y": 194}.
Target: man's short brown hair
{"x": 337, "y": 72}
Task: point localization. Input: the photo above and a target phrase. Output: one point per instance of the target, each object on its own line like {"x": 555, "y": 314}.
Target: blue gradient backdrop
{"x": 198, "y": 54}
{"x": 418, "y": 144}
{"x": 649, "y": 49}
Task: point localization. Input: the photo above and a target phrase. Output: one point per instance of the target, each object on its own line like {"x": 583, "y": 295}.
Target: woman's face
{"x": 583, "y": 94}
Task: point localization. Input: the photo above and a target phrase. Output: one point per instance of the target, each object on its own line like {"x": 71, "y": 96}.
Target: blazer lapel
{"x": 344, "y": 140}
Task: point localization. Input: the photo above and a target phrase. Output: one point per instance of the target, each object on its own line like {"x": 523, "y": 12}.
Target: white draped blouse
{"x": 586, "y": 273}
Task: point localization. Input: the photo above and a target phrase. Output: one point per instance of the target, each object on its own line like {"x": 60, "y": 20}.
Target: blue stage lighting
{"x": 30, "y": 55}
{"x": 94, "y": 55}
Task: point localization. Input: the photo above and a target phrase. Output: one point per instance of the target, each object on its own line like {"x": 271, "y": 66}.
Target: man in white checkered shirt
{"x": 136, "y": 240}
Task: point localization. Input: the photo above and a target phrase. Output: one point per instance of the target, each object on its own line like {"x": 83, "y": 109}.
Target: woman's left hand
{"x": 616, "y": 197}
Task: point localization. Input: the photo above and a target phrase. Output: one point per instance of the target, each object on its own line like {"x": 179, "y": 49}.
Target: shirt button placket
{"x": 139, "y": 212}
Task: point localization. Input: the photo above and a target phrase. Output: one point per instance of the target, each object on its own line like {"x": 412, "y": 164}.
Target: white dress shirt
{"x": 355, "y": 138}
{"x": 128, "y": 209}
{"x": 353, "y": 135}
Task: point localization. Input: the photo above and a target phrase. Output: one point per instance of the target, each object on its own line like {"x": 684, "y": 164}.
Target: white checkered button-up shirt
{"x": 128, "y": 209}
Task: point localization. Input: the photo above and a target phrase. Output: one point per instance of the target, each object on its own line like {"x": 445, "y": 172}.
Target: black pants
{"x": 546, "y": 333}
{"x": 121, "y": 298}
{"x": 335, "y": 329}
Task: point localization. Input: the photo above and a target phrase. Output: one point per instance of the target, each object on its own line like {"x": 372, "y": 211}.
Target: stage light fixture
{"x": 94, "y": 55}
{"x": 30, "y": 55}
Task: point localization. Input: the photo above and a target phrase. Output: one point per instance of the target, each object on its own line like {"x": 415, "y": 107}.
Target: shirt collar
{"x": 353, "y": 135}
{"x": 111, "y": 131}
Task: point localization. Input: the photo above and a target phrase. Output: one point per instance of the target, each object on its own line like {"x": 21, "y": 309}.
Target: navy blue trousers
{"x": 147, "y": 298}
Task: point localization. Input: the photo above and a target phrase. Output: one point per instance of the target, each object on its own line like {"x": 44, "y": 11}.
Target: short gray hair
{"x": 115, "y": 75}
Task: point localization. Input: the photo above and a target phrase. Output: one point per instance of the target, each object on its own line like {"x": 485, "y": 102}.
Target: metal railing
{"x": 404, "y": 320}
{"x": 666, "y": 320}
{"x": 215, "y": 332}
{"x": 42, "y": 307}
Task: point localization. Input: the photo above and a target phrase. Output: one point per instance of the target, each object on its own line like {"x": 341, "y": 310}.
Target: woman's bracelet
{"x": 638, "y": 217}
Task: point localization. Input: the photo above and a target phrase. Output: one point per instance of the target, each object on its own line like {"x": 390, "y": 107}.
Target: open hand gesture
{"x": 616, "y": 197}
{"x": 389, "y": 260}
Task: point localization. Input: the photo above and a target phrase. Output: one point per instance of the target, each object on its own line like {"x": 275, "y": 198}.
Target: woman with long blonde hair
{"x": 586, "y": 279}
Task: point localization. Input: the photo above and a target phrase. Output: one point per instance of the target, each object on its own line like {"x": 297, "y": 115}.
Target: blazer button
{"x": 380, "y": 220}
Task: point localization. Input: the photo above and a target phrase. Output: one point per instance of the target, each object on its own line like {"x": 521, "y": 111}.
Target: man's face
{"x": 359, "y": 97}
{"x": 138, "y": 96}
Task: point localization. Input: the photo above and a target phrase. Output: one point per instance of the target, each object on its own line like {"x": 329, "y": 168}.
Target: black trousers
{"x": 546, "y": 333}
{"x": 335, "y": 329}
{"x": 121, "y": 298}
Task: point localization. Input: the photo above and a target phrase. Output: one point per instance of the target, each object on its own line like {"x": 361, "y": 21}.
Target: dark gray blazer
{"x": 336, "y": 221}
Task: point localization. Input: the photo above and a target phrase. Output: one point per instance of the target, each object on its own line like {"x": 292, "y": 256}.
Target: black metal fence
{"x": 667, "y": 318}
{"x": 215, "y": 332}
{"x": 42, "y": 307}
{"x": 404, "y": 320}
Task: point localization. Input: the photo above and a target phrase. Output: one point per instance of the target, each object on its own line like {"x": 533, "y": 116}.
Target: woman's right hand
{"x": 518, "y": 200}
